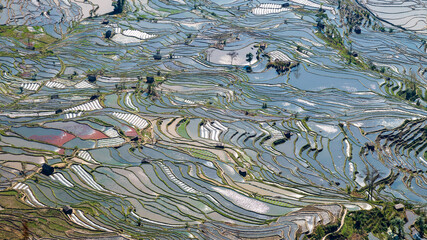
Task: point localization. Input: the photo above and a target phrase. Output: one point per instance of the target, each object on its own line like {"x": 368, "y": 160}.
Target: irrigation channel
{"x": 206, "y": 119}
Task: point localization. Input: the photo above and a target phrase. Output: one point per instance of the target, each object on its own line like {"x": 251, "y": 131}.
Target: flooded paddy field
{"x": 231, "y": 119}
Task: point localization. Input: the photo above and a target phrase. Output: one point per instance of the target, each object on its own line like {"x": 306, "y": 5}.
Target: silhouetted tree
{"x": 232, "y": 55}
{"x": 372, "y": 176}
{"x": 108, "y": 34}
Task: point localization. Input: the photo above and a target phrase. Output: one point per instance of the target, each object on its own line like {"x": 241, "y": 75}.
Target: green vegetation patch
{"x": 202, "y": 154}
{"x": 358, "y": 224}
{"x": 182, "y": 128}
{"x": 36, "y": 38}
{"x": 171, "y": 11}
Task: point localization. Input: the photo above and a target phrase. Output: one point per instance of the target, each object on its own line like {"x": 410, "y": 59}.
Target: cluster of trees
{"x": 386, "y": 223}
{"x": 360, "y": 223}
{"x": 281, "y": 66}
{"x": 421, "y": 225}
{"x": 412, "y": 91}
{"x": 354, "y": 15}
{"x": 118, "y": 6}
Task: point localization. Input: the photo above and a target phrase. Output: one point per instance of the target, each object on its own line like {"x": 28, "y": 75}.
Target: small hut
{"x": 157, "y": 56}
{"x": 399, "y": 207}
{"x": 67, "y": 210}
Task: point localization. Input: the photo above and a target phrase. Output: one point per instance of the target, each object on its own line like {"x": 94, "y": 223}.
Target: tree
{"x": 151, "y": 91}
{"x": 297, "y": 71}
{"x": 348, "y": 189}
{"x": 397, "y": 225}
{"x": 118, "y": 6}
{"x": 319, "y": 232}
{"x": 371, "y": 179}
{"x": 264, "y": 105}
{"x": 420, "y": 222}
{"x": 108, "y": 34}
{"x": 232, "y": 55}
{"x": 358, "y": 221}
{"x": 249, "y": 57}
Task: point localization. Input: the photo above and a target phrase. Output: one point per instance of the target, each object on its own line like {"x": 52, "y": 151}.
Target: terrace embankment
{"x": 302, "y": 221}
{"x": 21, "y": 221}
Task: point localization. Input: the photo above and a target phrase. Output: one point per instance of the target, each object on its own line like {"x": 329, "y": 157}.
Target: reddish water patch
{"x": 57, "y": 140}
{"x": 61, "y": 151}
{"x": 95, "y": 134}
{"x": 130, "y": 132}
{"x": 82, "y": 131}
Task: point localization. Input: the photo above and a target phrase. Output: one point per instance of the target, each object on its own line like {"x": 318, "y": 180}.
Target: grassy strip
{"x": 202, "y": 154}
{"x": 333, "y": 39}
{"x": 182, "y": 128}
{"x": 274, "y": 202}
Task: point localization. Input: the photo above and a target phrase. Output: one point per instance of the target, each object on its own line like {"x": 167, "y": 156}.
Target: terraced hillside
{"x": 230, "y": 119}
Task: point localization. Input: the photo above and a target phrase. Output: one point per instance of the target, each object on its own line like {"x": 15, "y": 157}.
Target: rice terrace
{"x": 213, "y": 119}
